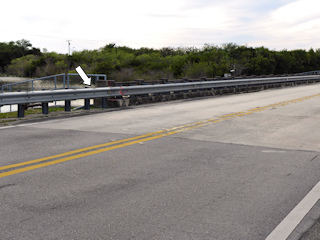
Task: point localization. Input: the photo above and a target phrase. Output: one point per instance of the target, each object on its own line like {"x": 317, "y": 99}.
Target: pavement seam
{"x": 83, "y": 152}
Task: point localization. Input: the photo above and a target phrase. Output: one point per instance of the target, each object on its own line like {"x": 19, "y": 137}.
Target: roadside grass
{"x": 8, "y": 117}
{"x": 31, "y": 111}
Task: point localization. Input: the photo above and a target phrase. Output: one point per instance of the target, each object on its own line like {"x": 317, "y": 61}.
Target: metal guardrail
{"x": 53, "y": 81}
{"x": 22, "y": 98}
{"x": 96, "y": 77}
{"x": 309, "y": 73}
{"x": 32, "y": 81}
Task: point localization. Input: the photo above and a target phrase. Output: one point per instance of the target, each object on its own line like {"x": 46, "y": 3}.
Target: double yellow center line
{"x": 84, "y": 152}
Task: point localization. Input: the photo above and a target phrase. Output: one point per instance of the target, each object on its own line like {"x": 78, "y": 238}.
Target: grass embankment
{"x": 36, "y": 112}
{"x": 30, "y": 112}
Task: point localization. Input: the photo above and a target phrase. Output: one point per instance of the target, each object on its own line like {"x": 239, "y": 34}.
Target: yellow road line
{"x": 20, "y": 170}
{"x": 83, "y": 152}
{"x": 90, "y": 148}
{"x": 77, "y": 151}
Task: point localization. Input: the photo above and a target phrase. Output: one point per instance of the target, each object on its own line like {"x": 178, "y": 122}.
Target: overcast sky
{"x": 274, "y": 24}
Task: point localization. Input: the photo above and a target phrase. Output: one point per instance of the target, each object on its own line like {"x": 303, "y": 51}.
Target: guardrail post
{"x": 21, "y": 108}
{"x": 104, "y": 102}
{"x": 87, "y": 104}
{"x": 45, "y": 108}
{"x": 67, "y": 106}
{"x": 64, "y": 80}
{"x": 101, "y": 102}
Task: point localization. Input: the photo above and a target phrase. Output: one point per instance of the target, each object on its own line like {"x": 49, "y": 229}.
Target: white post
{"x": 69, "y": 46}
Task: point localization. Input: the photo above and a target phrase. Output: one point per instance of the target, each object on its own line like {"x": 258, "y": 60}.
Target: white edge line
{"x": 291, "y": 221}
{"x": 34, "y": 123}
{"x": 5, "y": 127}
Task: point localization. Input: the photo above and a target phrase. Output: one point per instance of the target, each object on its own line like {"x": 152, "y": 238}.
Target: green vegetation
{"x": 30, "y": 111}
{"x": 122, "y": 63}
{"x": 12, "y": 116}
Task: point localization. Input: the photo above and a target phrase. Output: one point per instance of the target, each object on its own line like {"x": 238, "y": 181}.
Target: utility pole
{"x": 233, "y": 70}
{"x": 69, "y": 46}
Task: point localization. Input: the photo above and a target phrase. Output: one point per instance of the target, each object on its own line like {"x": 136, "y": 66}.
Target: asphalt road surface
{"x": 242, "y": 166}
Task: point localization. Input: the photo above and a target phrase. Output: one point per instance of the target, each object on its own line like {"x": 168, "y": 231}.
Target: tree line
{"x": 122, "y": 63}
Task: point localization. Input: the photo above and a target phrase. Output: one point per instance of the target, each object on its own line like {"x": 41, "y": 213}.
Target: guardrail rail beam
{"x": 166, "y": 91}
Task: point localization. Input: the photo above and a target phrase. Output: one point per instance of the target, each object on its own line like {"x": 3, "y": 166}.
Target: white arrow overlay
{"x": 84, "y": 76}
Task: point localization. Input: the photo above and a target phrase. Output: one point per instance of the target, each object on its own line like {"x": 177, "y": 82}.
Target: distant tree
{"x": 167, "y": 51}
{"x": 23, "y": 66}
{"x": 13, "y": 50}
{"x": 177, "y": 66}
{"x": 109, "y": 47}
{"x": 25, "y": 44}
{"x": 125, "y": 63}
